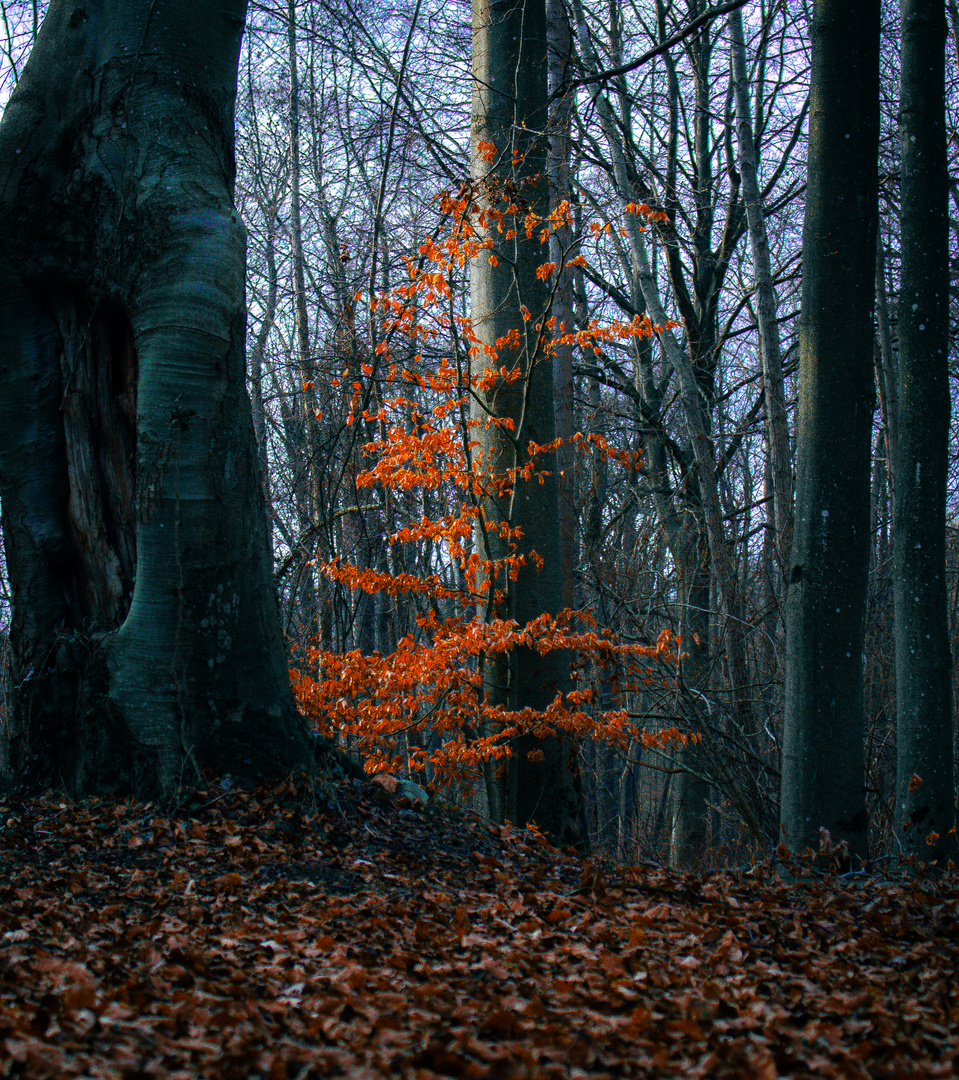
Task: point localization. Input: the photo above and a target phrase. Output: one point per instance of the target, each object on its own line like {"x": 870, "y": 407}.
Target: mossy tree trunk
{"x": 145, "y": 630}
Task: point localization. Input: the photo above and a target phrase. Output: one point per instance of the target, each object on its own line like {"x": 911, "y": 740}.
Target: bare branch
{"x": 680, "y": 35}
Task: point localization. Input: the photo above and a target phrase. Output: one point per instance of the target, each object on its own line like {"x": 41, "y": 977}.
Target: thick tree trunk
{"x": 145, "y": 629}
{"x": 925, "y": 790}
{"x": 509, "y": 114}
{"x": 823, "y": 778}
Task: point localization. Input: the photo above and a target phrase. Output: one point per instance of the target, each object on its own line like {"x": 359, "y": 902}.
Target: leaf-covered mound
{"x": 354, "y": 933}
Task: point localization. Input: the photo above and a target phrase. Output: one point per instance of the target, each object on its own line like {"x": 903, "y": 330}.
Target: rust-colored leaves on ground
{"x": 351, "y": 933}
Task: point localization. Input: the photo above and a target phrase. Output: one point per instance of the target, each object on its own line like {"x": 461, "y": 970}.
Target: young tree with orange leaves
{"x": 426, "y": 705}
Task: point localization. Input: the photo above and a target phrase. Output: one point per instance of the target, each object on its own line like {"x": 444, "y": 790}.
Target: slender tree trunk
{"x": 257, "y": 360}
{"x": 509, "y": 115}
{"x": 689, "y": 792}
{"x": 309, "y": 481}
{"x": 777, "y": 423}
{"x": 145, "y": 629}
{"x": 925, "y": 789}
{"x": 887, "y": 376}
{"x": 823, "y": 777}
{"x": 692, "y": 517}
{"x": 560, "y": 43}
{"x": 306, "y": 392}
{"x": 296, "y": 235}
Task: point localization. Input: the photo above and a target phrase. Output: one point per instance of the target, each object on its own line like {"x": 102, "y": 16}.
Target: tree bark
{"x": 823, "y": 772}
{"x": 925, "y": 789}
{"x": 145, "y": 629}
{"x": 509, "y": 113}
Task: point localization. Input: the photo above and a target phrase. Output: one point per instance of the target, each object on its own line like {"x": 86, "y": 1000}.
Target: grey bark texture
{"x": 145, "y": 629}
{"x": 925, "y": 789}
{"x": 822, "y": 761}
{"x": 509, "y": 112}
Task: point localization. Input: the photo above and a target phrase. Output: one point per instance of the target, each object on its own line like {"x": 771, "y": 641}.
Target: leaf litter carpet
{"x": 346, "y": 932}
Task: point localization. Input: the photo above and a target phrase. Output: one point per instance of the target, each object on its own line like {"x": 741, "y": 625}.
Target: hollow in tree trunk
{"x": 145, "y": 631}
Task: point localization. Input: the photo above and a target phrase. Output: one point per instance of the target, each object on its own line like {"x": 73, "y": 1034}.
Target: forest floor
{"x": 350, "y": 933}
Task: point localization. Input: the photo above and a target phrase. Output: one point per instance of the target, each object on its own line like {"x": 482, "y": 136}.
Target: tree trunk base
{"x": 77, "y": 734}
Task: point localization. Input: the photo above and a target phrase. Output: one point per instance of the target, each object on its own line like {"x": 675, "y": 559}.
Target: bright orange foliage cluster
{"x": 421, "y": 707}
{"x": 385, "y": 704}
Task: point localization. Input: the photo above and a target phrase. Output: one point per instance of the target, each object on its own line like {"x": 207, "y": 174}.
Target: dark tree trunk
{"x": 925, "y": 791}
{"x": 145, "y": 628}
{"x": 823, "y": 772}
{"x": 560, "y": 49}
{"x": 689, "y": 792}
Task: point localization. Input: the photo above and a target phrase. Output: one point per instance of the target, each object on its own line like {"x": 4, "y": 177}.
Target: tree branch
{"x": 680, "y": 35}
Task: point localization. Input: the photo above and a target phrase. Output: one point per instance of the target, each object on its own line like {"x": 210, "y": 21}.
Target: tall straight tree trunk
{"x": 257, "y": 376}
{"x": 887, "y": 377}
{"x": 777, "y": 423}
{"x": 308, "y": 480}
{"x": 689, "y": 792}
{"x": 925, "y": 789}
{"x": 509, "y": 115}
{"x": 145, "y": 628}
{"x": 822, "y": 767}
{"x": 560, "y": 45}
